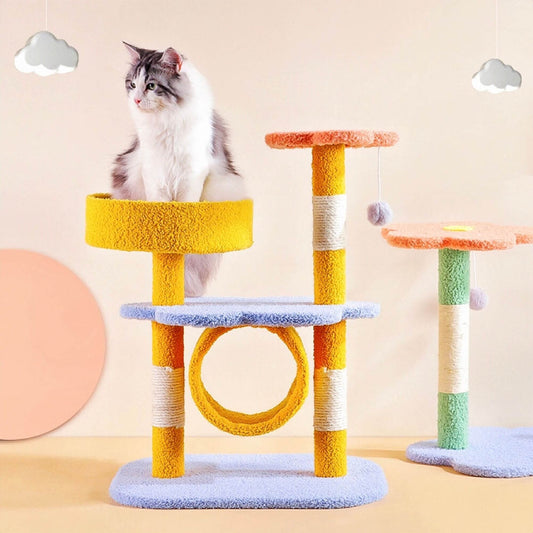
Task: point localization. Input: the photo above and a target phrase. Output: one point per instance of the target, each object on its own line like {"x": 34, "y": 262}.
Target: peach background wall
{"x": 289, "y": 65}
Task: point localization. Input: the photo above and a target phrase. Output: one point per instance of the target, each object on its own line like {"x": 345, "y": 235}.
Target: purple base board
{"x": 492, "y": 452}
{"x": 236, "y": 481}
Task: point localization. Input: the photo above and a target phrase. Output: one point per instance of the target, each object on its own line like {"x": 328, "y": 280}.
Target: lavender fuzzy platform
{"x": 492, "y": 452}
{"x": 273, "y": 481}
{"x": 230, "y": 312}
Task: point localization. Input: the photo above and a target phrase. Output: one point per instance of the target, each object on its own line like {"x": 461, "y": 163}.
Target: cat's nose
{"x": 137, "y": 100}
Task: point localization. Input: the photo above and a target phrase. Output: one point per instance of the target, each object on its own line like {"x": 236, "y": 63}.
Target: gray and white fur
{"x": 180, "y": 151}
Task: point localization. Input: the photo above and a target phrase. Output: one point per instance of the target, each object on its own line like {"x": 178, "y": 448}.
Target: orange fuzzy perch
{"x": 468, "y": 236}
{"x": 351, "y": 139}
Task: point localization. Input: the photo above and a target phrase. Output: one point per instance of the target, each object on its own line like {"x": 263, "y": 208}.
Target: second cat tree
{"x": 477, "y": 451}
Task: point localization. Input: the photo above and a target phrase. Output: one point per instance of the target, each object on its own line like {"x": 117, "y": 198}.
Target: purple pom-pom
{"x": 478, "y": 299}
{"x": 379, "y": 213}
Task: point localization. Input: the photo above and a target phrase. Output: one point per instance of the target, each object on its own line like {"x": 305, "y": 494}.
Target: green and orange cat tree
{"x": 477, "y": 451}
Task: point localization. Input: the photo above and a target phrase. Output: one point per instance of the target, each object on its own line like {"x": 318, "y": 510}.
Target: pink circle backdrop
{"x": 52, "y": 344}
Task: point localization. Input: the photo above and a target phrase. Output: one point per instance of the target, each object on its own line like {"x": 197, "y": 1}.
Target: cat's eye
{"x": 132, "y": 84}
{"x": 150, "y": 86}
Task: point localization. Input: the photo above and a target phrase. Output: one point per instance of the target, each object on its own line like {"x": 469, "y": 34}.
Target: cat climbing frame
{"x": 484, "y": 452}
{"x": 170, "y": 230}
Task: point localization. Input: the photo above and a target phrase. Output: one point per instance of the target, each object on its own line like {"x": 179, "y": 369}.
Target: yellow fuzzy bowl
{"x": 168, "y": 227}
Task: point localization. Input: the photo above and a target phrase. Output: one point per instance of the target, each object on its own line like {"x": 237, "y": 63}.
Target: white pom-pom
{"x": 379, "y": 213}
{"x": 478, "y": 299}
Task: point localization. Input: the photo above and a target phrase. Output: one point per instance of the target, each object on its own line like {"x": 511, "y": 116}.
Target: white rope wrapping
{"x": 330, "y": 400}
{"x": 329, "y": 220}
{"x": 453, "y": 348}
{"x": 168, "y": 408}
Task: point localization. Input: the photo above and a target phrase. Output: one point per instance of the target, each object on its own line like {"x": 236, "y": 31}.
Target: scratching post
{"x": 487, "y": 452}
{"x": 454, "y": 317}
{"x": 168, "y": 231}
{"x": 329, "y": 268}
{"x": 168, "y": 372}
{"x": 329, "y": 261}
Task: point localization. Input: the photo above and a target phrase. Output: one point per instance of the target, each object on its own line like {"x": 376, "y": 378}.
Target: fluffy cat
{"x": 180, "y": 150}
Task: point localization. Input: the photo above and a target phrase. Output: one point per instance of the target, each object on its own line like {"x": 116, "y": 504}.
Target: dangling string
{"x": 379, "y": 173}
{"x": 46, "y": 15}
{"x": 474, "y": 269}
{"x": 379, "y": 213}
{"x": 478, "y": 297}
{"x": 497, "y": 18}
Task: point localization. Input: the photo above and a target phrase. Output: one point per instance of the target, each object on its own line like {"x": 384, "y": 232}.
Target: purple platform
{"x": 492, "y": 452}
{"x": 231, "y": 312}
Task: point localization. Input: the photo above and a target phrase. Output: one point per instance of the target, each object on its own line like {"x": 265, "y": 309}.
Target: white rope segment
{"x": 330, "y": 399}
{"x": 453, "y": 348}
{"x": 168, "y": 407}
{"x": 329, "y": 221}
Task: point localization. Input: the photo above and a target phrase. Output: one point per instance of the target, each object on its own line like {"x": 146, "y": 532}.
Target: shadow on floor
{"x": 399, "y": 454}
{"x": 40, "y": 481}
{"x": 384, "y": 454}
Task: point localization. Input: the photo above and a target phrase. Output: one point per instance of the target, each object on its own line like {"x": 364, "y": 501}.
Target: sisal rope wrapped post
{"x": 329, "y": 216}
{"x": 329, "y": 269}
{"x": 454, "y": 241}
{"x": 168, "y": 384}
{"x": 454, "y": 323}
{"x": 168, "y": 230}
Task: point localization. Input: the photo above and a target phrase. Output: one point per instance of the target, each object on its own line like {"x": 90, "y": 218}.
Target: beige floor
{"x": 60, "y": 485}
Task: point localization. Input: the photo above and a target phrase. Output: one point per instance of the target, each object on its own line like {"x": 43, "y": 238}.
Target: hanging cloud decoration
{"x": 496, "y": 77}
{"x": 45, "y": 55}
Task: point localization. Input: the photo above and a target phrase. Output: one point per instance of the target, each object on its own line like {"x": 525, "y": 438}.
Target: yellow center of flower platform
{"x": 458, "y": 228}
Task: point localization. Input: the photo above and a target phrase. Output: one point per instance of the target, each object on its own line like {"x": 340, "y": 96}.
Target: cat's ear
{"x": 135, "y": 53}
{"x": 172, "y": 60}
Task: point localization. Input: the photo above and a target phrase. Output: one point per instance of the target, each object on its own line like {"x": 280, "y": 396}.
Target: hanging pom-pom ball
{"x": 379, "y": 213}
{"x": 478, "y": 299}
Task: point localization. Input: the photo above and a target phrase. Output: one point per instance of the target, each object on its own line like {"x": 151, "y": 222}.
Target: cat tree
{"x": 168, "y": 231}
{"x": 478, "y": 451}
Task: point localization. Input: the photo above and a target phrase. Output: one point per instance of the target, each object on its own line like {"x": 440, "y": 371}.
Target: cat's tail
{"x": 200, "y": 269}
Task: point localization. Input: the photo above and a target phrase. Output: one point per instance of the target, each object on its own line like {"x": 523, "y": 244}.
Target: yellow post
{"x": 329, "y": 213}
{"x": 168, "y": 457}
{"x": 173, "y": 229}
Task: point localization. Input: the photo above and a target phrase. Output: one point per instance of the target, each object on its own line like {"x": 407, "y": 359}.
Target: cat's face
{"x": 155, "y": 80}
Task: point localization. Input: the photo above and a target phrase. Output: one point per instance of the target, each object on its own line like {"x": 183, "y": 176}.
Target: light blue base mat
{"x": 230, "y": 312}
{"x": 492, "y": 452}
{"x": 236, "y": 481}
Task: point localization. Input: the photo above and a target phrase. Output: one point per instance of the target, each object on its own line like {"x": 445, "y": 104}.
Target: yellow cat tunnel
{"x": 168, "y": 227}
{"x": 245, "y": 424}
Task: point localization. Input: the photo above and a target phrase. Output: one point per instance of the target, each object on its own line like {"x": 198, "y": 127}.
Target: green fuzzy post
{"x": 453, "y": 421}
{"x": 454, "y": 289}
{"x": 454, "y": 277}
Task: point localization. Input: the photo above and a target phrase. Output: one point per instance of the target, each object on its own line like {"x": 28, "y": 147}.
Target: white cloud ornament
{"x": 44, "y": 55}
{"x": 496, "y": 77}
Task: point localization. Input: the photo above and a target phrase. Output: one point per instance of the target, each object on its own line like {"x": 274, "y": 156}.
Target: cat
{"x": 180, "y": 150}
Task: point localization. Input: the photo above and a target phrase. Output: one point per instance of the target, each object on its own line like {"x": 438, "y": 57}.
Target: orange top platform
{"x": 349, "y": 138}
